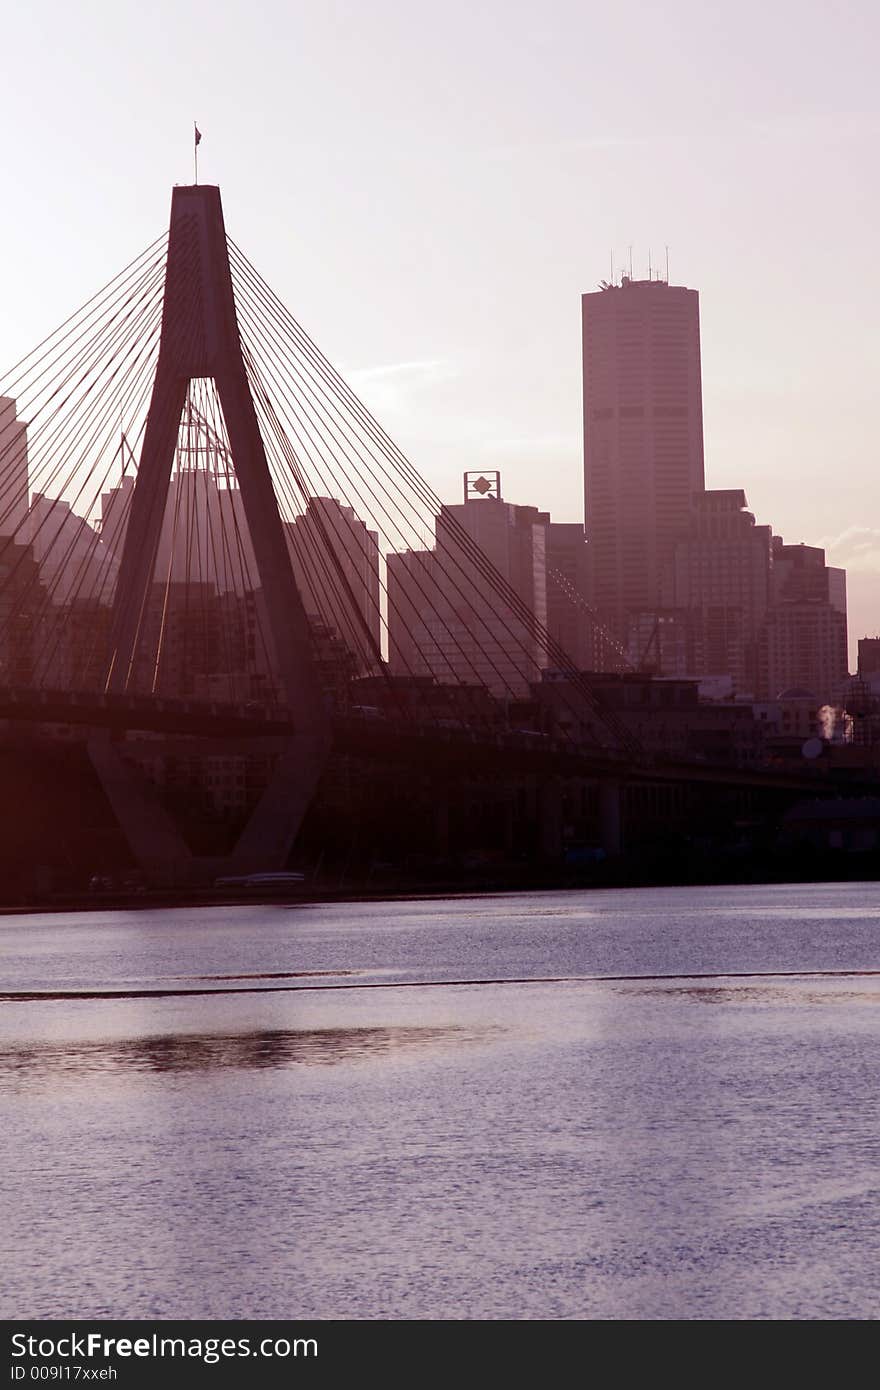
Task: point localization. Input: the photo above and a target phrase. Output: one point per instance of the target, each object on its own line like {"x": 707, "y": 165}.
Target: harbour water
{"x": 652, "y": 1103}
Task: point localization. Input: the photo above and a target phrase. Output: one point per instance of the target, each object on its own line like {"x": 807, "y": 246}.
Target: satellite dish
{"x": 812, "y": 748}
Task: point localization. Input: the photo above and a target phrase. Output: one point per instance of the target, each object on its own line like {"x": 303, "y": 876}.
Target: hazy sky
{"x": 430, "y": 188}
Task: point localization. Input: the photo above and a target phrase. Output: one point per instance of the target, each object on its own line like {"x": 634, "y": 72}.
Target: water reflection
{"x": 210, "y": 1052}
{"x": 271, "y": 975}
{"x": 793, "y": 995}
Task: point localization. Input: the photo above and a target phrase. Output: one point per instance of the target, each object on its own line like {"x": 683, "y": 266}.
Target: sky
{"x": 430, "y": 189}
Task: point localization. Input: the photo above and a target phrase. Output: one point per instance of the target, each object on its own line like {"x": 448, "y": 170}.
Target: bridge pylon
{"x": 199, "y": 339}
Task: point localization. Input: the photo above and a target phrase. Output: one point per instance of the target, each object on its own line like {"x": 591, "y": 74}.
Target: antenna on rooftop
{"x": 667, "y": 265}
{"x": 630, "y": 263}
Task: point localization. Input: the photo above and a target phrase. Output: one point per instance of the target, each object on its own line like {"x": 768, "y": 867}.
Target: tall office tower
{"x": 806, "y": 650}
{"x": 643, "y": 437}
{"x": 13, "y": 469}
{"x": 115, "y": 506}
{"x": 335, "y": 559}
{"x": 720, "y": 578}
{"x": 869, "y": 657}
{"x": 22, "y": 607}
{"x": 571, "y": 618}
{"x": 204, "y": 539}
{"x": 805, "y": 636}
{"x": 800, "y": 574}
{"x": 568, "y": 588}
{"x": 446, "y": 619}
{"x": 69, "y": 552}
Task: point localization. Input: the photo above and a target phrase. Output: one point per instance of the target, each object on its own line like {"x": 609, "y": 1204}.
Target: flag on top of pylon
{"x": 198, "y": 133}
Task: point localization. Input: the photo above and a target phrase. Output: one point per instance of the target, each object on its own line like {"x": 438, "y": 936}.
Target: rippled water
{"x": 446, "y": 1108}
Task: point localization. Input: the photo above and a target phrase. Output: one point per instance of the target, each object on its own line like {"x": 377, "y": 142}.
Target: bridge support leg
{"x": 152, "y": 837}
{"x": 610, "y": 817}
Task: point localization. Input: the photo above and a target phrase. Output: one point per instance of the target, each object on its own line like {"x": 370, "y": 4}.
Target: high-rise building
{"x": 335, "y": 559}
{"x": 806, "y": 650}
{"x": 681, "y": 573}
{"x": 22, "y": 610}
{"x": 869, "y": 657}
{"x": 805, "y": 644}
{"x": 643, "y": 437}
{"x": 568, "y": 589}
{"x": 205, "y": 537}
{"x": 13, "y": 469}
{"x": 720, "y": 575}
{"x": 71, "y": 555}
{"x": 446, "y": 617}
{"x": 572, "y": 620}
{"x": 801, "y": 574}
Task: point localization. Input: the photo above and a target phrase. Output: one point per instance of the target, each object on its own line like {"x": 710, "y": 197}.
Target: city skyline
{"x": 679, "y": 574}
{"x": 672, "y": 562}
{"x": 481, "y": 219}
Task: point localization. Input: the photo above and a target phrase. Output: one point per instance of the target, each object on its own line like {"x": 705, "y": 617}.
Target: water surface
{"x": 445, "y": 1108}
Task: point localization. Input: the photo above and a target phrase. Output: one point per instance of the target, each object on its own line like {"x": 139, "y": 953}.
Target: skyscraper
{"x": 643, "y": 437}
{"x": 335, "y": 559}
{"x": 805, "y": 637}
{"x": 721, "y": 578}
{"x": 446, "y": 617}
{"x": 13, "y": 469}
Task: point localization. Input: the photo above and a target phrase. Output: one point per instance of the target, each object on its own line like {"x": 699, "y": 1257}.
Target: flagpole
{"x": 196, "y": 151}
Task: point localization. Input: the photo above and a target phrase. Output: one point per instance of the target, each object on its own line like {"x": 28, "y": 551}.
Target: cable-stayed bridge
{"x": 212, "y": 554}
